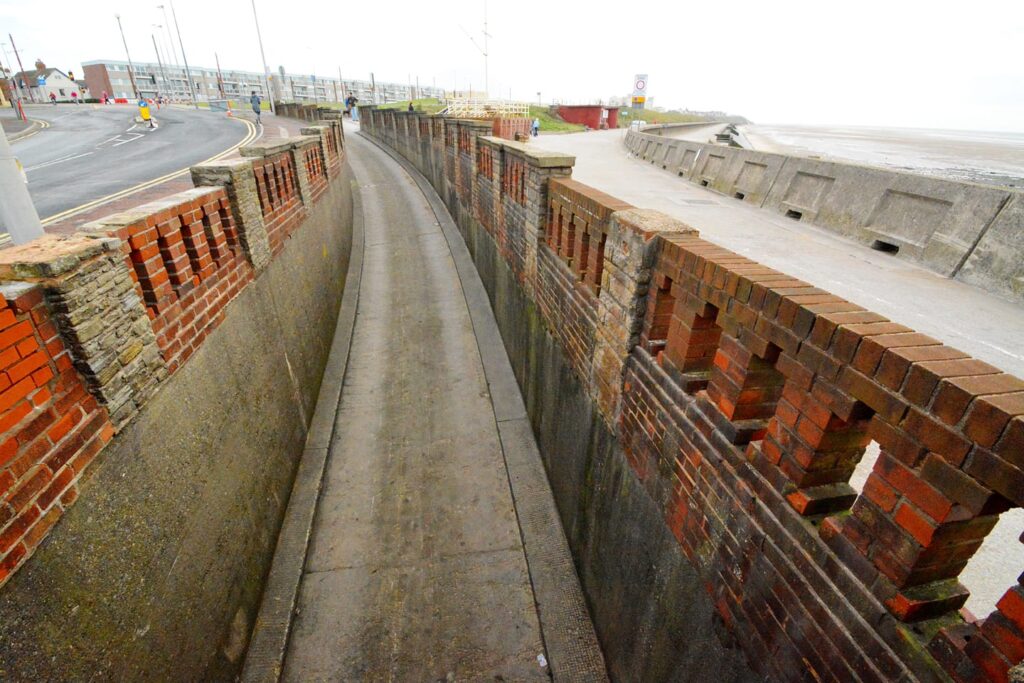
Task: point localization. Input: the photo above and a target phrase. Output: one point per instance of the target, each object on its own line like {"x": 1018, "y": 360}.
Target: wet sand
{"x": 977, "y": 156}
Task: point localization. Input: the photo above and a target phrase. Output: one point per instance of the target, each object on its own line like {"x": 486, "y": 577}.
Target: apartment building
{"x": 113, "y": 78}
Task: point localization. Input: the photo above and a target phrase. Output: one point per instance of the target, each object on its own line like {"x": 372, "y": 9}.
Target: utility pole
{"x": 263, "y": 56}
{"x": 160, "y": 62}
{"x": 220, "y": 78}
{"x": 15, "y": 91}
{"x": 417, "y": 87}
{"x": 373, "y": 88}
{"x": 170, "y": 39}
{"x": 131, "y": 69}
{"x": 341, "y": 82}
{"x": 17, "y": 212}
{"x": 20, "y": 67}
{"x": 188, "y": 73}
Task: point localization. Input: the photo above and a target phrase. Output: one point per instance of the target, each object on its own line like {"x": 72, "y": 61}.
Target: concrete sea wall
{"x": 700, "y": 417}
{"x": 972, "y": 232}
{"x": 186, "y": 340}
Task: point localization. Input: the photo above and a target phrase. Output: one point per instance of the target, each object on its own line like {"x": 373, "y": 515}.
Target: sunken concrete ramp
{"x": 417, "y": 568}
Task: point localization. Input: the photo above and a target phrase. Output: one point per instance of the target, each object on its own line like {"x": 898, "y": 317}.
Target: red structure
{"x": 592, "y": 116}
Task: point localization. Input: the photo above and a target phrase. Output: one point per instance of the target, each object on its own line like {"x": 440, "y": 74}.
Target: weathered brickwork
{"x": 277, "y": 186}
{"x": 91, "y": 324}
{"x": 188, "y": 263}
{"x": 52, "y": 427}
{"x": 743, "y": 399}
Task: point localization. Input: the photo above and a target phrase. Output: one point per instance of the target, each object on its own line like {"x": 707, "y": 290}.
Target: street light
{"x": 188, "y": 73}
{"x": 263, "y": 56}
{"x": 173, "y": 54}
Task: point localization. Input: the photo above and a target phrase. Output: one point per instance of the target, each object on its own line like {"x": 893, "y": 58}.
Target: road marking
{"x": 252, "y": 135}
{"x": 42, "y": 124}
{"x": 133, "y": 139}
{"x": 58, "y": 161}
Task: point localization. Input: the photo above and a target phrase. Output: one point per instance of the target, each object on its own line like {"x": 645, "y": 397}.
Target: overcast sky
{"x": 895, "y": 63}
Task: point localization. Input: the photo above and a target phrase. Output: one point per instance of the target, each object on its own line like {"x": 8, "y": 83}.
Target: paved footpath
{"x": 418, "y": 568}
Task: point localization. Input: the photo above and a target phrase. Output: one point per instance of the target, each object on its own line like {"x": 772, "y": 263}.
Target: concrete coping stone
{"x": 141, "y": 213}
{"x": 229, "y": 164}
{"x": 538, "y": 157}
{"x": 486, "y": 124}
{"x": 52, "y": 255}
{"x": 649, "y": 222}
{"x": 314, "y": 130}
{"x": 305, "y": 141}
{"x": 265, "y": 148}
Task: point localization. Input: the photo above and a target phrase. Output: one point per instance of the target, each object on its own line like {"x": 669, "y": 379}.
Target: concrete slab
{"x": 416, "y": 568}
{"x": 963, "y": 316}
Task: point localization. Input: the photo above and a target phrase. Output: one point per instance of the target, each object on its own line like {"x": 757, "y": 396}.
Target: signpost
{"x": 639, "y": 91}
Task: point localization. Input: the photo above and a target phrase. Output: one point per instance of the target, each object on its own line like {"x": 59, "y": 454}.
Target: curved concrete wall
{"x": 964, "y": 230}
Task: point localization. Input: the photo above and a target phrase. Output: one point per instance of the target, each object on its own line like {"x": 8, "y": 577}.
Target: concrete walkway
{"x": 978, "y": 323}
{"x": 420, "y": 567}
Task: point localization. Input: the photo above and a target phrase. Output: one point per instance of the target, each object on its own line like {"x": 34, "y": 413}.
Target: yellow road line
{"x": 42, "y": 125}
{"x": 49, "y": 220}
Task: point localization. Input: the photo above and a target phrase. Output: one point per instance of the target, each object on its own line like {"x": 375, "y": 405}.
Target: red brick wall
{"x": 188, "y": 263}
{"x": 316, "y": 170}
{"x": 51, "y": 427}
{"x": 278, "y": 192}
{"x": 512, "y": 129}
{"x": 745, "y": 406}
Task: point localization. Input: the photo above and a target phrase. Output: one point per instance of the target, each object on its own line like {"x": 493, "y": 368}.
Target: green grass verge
{"x": 627, "y": 114}
{"x": 428, "y": 105}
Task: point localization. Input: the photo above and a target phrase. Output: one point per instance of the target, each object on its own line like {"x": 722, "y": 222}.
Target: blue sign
{"x": 41, "y": 80}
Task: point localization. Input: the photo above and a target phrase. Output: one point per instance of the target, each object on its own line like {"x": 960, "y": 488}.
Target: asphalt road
{"x": 92, "y": 151}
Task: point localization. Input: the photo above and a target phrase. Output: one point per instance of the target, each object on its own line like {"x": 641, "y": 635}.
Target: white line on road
{"x": 125, "y": 142}
{"x": 57, "y": 161}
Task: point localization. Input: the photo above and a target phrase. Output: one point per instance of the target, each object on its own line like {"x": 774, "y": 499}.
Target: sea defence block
{"x": 944, "y": 225}
{"x": 702, "y": 413}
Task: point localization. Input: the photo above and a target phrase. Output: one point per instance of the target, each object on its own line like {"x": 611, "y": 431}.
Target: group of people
{"x": 74, "y": 98}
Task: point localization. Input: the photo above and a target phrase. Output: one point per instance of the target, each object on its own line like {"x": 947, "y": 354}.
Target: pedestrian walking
{"x": 53, "y": 98}
{"x": 536, "y": 127}
{"x": 256, "y": 105}
{"x": 411, "y": 108}
{"x": 74, "y": 96}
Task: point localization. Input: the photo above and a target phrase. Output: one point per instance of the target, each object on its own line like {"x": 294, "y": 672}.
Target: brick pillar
{"x": 237, "y": 178}
{"x": 99, "y": 313}
{"x": 531, "y": 192}
{"x": 331, "y": 152}
{"x": 298, "y": 151}
{"x": 629, "y": 256}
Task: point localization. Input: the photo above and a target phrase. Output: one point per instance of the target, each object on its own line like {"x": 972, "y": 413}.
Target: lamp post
{"x": 160, "y": 62}
{"x": 21, "y": 68}
{"x": 173, "y": 53}
{"x": 15, "y": 89}
{"x": 184, "y": 58}
{"x": 263, "y": 56}
{"x": 131, "y": 69}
